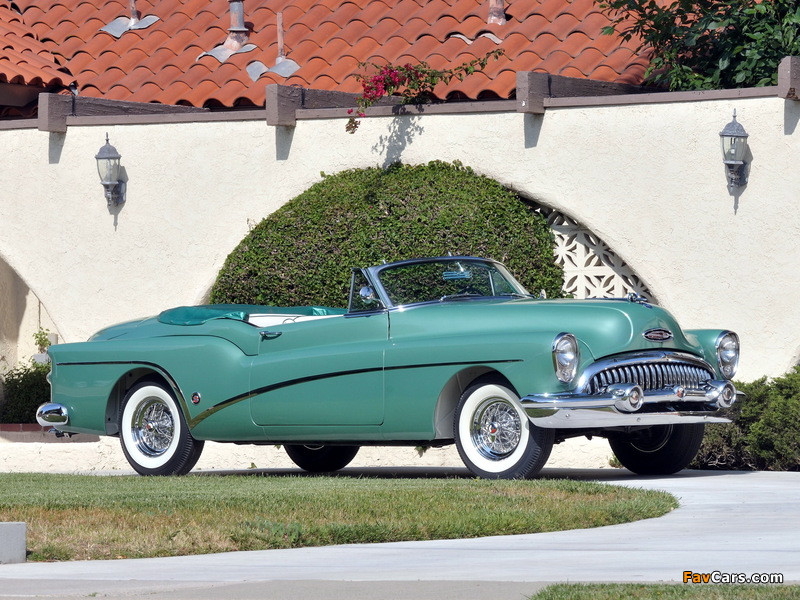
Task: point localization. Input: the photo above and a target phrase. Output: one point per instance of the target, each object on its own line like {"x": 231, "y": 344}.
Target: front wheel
{"x": 154, "y": 434}
{"x": 321, "y": 459}
{"x": 494, "y": 436}
{"x": 659, "y": 450}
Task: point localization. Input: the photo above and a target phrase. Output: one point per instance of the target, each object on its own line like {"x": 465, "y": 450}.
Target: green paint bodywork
{"x": 387, "y": 376}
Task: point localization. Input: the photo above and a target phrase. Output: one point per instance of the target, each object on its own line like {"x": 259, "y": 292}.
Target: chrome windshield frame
{"x": 374, "y": 274}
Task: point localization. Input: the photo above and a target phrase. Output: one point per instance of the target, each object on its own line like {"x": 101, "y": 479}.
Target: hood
{"x": 609, "y": 326}
{"x": 603, "y": 327}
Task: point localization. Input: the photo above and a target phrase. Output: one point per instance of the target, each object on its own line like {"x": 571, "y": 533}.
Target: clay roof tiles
{"x": 56, "y": 42}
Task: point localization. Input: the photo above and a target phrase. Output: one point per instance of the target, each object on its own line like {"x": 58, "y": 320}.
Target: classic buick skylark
{"x": 430, "y": 352}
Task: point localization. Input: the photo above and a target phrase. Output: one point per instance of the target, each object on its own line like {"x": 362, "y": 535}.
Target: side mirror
{"x": 367, "y": 295}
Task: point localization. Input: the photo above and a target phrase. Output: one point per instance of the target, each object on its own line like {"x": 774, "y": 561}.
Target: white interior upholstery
{"x": 270, "y": 320}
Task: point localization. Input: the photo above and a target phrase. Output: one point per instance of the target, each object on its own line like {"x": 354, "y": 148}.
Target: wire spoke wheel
{"x": 496, "y": 429}
{"x": 153, "y": 427}
{"x": 153, "y": 432}
{"x": 494, "y": 436}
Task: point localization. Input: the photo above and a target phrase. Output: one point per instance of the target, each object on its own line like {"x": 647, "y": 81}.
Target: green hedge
{"x": 302, "y": 254}
{"x": 26, "y": 388}
{"x": 765, "y": 434}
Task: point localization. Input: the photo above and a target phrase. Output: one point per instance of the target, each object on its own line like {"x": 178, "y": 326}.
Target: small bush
{"x": 765, "y": 433}
{"x": 303, "y": 252}
{"x": 26, "y": 388}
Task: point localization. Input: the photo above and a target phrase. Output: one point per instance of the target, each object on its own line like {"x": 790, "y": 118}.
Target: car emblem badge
{"x": 658, "y": 335}
{"x": 196, "y": 398}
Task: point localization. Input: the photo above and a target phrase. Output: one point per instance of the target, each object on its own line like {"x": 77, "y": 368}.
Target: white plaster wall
{"x": 10, "y": 286}
{"x": 648, "y": 179}
{"x": 21, "y": 315}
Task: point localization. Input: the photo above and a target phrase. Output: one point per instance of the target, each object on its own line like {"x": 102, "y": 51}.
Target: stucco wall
{"x": 648, "y": 179}
{"x": 21, "y": 315}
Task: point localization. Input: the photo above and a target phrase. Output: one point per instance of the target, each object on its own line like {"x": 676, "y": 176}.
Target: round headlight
{"x": 728, "y": 353}
{"x": 565, "y": 356}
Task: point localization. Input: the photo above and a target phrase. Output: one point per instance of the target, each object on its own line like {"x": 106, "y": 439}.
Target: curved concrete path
{"x": 732, "y": 522}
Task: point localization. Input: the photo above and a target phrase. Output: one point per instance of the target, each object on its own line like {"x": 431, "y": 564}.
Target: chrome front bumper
{"x": 624, "y": 405}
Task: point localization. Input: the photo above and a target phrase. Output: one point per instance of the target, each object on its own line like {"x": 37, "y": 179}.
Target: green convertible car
{"x": 430, "y": 352}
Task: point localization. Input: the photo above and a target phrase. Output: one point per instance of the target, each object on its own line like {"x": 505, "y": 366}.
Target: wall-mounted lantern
{"x": 108, "y": 167}
{"x": 734, "y": 148}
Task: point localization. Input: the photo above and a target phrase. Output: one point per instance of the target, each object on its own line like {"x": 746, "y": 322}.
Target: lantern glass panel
{"x": 108, "y": 168}
{"x": 733, "y": 148}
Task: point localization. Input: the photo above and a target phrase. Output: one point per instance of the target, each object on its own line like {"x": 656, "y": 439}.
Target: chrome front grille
{"x": 650, "y": 376}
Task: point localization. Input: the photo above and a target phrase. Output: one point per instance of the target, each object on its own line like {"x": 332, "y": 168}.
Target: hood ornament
{"x": 638, "y": 299}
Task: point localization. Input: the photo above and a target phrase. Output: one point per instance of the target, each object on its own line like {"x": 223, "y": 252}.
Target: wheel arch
{"x": 451, "y": 394}
{"x": 127, "y": 381}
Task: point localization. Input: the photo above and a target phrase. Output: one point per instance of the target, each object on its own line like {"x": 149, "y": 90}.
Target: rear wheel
{"x": 494, "y": 436}
{"x": 321, "y": 459}
{"x": 659, "y": 450}
{"x": 154, "y": 434}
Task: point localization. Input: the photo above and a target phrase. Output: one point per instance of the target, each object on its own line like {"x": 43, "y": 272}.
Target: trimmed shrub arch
{"x": 302, "y": 253}
{"x": 582, "y": 265}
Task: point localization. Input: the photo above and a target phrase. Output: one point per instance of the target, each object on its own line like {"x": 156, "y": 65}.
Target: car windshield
{"x": 442, "y": 280}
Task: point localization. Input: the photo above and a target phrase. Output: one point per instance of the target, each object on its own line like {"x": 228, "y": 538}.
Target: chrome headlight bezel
{"x": 727, "y": 347}
{"x": 566, "y": 356}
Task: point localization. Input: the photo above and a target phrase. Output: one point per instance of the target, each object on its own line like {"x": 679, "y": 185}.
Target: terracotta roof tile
{"x": 313, "y": 14}
{"x": 424, "y": 46}
{"x": 327, "y": 38}
{"x": 175, "y": 21}
{"x": 586, "y": 62}
{"x": 354, "y": 30}
{"x": 80, "y": 62}
{"x": 23, "y": 59}
{"x": 176, "y": 93}
{"x": 148, "y": 90}
{"x": 364, "y": 49}
{"x": 110, "y": 78}
{"x": 195, "y": 75}
{"x": 305, "y": 50}
{"x": 391, "y": 49}
{"x": 383, "y": 29}
{"x": 69, "y": 46}
{"x": 162, "y": 58}
{"x": 345, "y": 13}
{"x": 554, "y": 63}
{"x": 431, "y": 11}
{"x": 291, "y": 13}
{"x": 543, "y": 44}
{"x": 373, "y": 12}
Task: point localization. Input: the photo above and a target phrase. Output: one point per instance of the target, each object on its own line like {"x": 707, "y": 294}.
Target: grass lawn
{"x": 72, "y": 517}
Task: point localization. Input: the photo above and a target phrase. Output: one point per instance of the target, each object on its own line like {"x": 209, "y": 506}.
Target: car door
{"x": 323, "y": 371}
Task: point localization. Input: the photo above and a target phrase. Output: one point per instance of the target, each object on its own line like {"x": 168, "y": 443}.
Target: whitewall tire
{"x": 154, "y": 434}
{"x": 494, "y": 437}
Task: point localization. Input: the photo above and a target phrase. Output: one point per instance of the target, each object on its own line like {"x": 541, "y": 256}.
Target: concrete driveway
{"x": 731, "y": 522}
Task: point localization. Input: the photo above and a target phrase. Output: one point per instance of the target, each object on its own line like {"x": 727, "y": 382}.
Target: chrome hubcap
{"x": 496, "y": 429}
{"x": 153, "y": 427}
